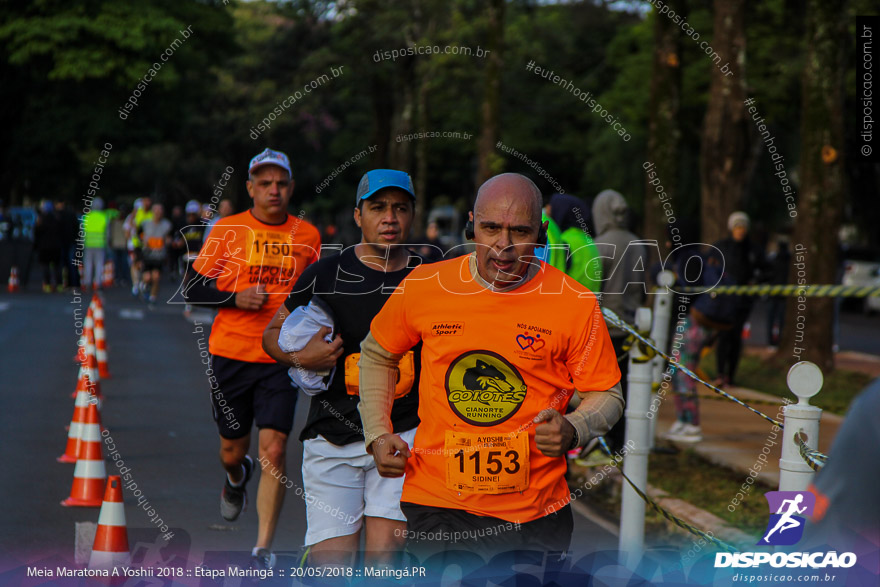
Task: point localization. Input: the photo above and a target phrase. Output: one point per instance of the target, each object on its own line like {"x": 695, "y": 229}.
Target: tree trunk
{"x": 400, "y": 151}
{"x": 821, "y": 193}
{"x": 421, "y": 179}
{"x": 724, "y": 149}
{"x": 488, "y": 162}
{"x": 664, "y": 130}
{"x": 433, "y": 13}
{"x": 383, "y": 109}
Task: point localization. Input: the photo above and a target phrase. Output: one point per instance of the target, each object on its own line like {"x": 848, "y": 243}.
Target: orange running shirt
{"x": 490, "y": 362}
{"x": 241, "y": 252}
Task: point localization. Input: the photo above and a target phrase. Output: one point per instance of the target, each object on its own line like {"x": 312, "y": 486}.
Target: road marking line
{"x": 131, "y": 314}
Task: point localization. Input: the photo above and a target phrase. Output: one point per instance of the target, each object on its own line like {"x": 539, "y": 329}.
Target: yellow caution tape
{"x": 810, "y": 291}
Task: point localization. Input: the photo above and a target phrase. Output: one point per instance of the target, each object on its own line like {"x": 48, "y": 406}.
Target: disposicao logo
{"x": 788, "y": 513}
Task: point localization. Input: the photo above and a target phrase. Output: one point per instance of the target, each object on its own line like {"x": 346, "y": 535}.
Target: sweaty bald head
{"x": 507, "y": 220}
{"x": 513, "y": 187}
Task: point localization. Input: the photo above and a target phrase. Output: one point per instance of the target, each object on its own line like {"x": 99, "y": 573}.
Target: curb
{"x": 706, "y": 521}
{"x": 698, "y": 517}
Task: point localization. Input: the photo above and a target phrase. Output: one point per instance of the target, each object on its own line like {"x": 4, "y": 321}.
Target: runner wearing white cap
{"x": 253, "y": 258}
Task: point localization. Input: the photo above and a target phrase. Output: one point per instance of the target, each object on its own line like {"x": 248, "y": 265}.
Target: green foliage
{"x": 79, "y": 44}
{"x": 68, "y": 66}
{"x": 613, "y": 162}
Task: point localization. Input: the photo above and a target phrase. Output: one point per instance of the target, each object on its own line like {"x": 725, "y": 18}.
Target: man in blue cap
{"x": 345, "y": 494}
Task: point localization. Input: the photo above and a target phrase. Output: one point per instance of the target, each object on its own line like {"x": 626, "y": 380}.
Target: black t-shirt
{"x": 355, "y": 294}
{"x": 193, "y": 235}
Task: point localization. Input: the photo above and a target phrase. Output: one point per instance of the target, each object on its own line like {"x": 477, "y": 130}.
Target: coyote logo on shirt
{"x": 483, "y": 376}
{"x": 483, "y": 388}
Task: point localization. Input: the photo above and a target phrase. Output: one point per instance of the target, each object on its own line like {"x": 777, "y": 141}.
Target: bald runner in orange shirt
{"x": 506, "y": 342}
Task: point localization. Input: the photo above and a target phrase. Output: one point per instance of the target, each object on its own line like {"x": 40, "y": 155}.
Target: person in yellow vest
{"x": 141, "y": 213}
{"x": 95, "y": 227}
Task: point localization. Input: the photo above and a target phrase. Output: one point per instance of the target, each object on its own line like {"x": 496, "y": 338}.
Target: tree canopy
{"x": 68, "y": 67}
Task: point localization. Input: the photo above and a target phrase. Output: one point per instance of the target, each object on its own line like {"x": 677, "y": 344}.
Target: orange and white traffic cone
{"x": 80, "y": 356}
{"x": 91, "y": 386}
{"x": 90, "y": 367}
{"x": 13, "y": 284}
{"x": 74, "y": 432}
{"x": 100, "y": 339}
{"x": 111, "y": 540}
{"x": 88, "y": 324}
{"x": 89, "y": 474}
{"x": 83, "y": 383}
{"x": 94, "y": 389}
{"x": 85, "y": 373}
{"x": 108, "y": 273}
{"x": 80, "y": 378}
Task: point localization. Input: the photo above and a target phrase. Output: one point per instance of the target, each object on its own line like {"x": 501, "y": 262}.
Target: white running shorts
{"x": 342, "y": 486}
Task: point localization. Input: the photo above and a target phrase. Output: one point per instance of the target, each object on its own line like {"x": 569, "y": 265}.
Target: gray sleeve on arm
{"x": 378, "y": 374}
{"x": 597, "y": 413}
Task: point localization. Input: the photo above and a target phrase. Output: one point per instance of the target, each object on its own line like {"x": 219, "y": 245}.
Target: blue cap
{"x": 270, "y": 157}
{"x": 378, "y": 179}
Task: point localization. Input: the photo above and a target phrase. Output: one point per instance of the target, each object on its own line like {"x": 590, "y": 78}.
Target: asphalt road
{"x": 157, "y": 410}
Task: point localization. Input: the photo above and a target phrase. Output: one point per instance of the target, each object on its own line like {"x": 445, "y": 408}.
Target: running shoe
{"x": 595, "y": 458}
{"x": 262, "y": 559}
{"x": 234, "y": 499}
{"x": 674, "y": 430}
{"x": 688, "y": 433}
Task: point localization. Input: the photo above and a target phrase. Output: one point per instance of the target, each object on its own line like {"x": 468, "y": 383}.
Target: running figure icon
{"x": 786, "y": 522}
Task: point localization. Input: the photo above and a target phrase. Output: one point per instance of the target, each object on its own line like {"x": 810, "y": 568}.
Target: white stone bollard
{"x": 635, "y": 465}
{"x": 804, "y": 380}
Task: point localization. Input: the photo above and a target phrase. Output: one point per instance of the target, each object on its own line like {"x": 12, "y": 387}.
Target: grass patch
{"x": 768, "y": 376}
{"x": 688, "y": 477}
{"x": 606, "y": 496}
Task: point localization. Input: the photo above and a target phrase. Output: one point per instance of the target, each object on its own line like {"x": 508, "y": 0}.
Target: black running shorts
{"x": 154, "y": 265}
{"x": 247, "y": 393}
{"x": 430, "y": 530}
